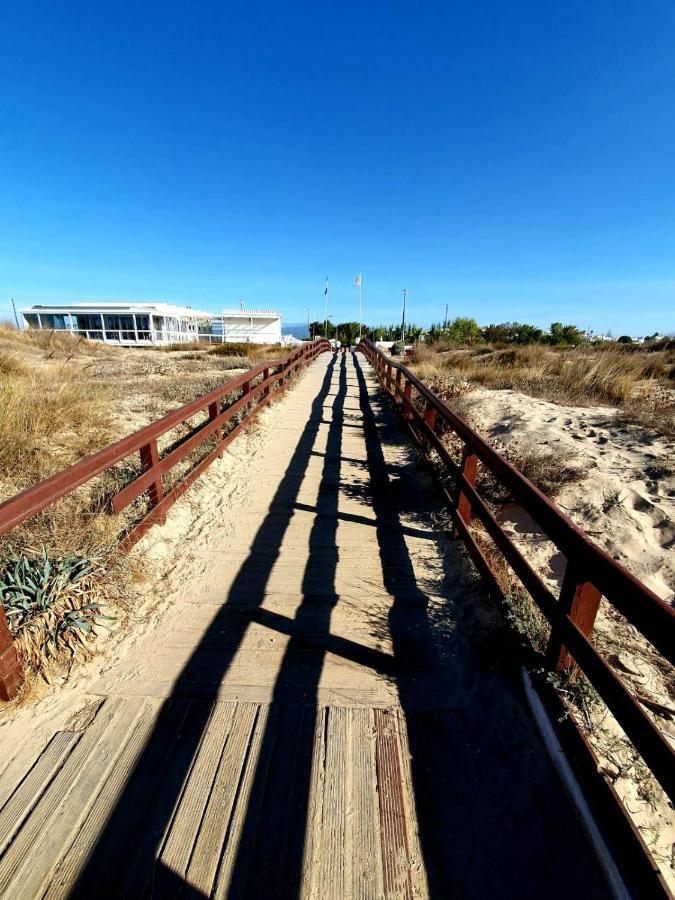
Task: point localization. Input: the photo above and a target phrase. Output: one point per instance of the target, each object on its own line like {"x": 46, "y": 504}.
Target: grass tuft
{"x": 53, "y": 606}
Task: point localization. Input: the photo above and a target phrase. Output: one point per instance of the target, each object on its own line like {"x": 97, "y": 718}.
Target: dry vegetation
{"x": 641, "y": 382}
{"x": 61, "y": 399}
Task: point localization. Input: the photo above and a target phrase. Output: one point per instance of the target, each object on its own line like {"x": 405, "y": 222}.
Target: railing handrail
{"x": 34, "y": 499}
{"x": 630, "y": 596}
{"x": 590, "y": 572}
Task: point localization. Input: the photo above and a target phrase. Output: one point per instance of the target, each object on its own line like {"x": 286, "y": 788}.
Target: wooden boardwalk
{"x": 323, "y": 716}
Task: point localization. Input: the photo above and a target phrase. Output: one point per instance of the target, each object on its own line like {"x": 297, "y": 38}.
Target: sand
{"x": 625, "y": 501}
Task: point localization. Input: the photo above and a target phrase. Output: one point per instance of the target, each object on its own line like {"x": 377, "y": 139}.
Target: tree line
{"x": 467, "y": 331}
{"x": 461, "y": 331}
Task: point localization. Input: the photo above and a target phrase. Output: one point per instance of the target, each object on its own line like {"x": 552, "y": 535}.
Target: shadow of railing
{"x": 122, "y": 863}
{"x": 493, "y": 819}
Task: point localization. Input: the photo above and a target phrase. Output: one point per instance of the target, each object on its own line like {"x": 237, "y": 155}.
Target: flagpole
{"x": 325, "y": 297}
{"x": 360, "y": 311}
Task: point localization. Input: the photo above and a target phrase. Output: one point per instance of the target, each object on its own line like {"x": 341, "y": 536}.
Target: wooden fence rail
{"x": 590, "y": 572}
{"x": 256, "y": 388}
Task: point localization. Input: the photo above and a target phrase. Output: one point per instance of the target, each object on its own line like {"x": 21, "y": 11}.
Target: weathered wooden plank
{"x": 416, "y": 859}
{"x": 128, "y": 843}
{"x": 238, "y": 849}
{"x": 333, "y": 871}
{"x": 225, "y": 792}
{"x": 281, "y": 823}
{"x": 29, "y": 791}
{"x": 218, "y": 831}
{"x": 313, "y": 841}
{"x": 140, "y": 868}
{"x": 68, "y": 869}
{"x": 394, "y": 838}
{"x": 182, "y": 833}
{"x": 49, "y": 830}
{"x": 379, "y": 694}
{"x": 366, "y": 863}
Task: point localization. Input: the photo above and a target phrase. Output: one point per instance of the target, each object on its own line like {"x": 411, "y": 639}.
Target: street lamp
{"x": 405, "y": 295}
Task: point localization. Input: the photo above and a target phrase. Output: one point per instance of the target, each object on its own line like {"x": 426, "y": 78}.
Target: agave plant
{"x": 50, "y": 603}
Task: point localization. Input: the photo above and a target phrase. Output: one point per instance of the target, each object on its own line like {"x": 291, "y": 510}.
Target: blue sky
{"x": 514, "y": 160}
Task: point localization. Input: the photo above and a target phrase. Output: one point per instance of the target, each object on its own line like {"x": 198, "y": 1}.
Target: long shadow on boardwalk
{"x": 493, "y": 819}
{"x": 123, "y": 862}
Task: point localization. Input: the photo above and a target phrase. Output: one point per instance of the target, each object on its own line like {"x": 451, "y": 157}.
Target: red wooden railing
{"x": 590, "y": 572}
{"x": 259, "y": 384}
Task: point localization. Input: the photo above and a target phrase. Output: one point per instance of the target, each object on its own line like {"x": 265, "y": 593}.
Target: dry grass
{"x": 641, "y": 382}
{"x": 548, "y": 471}
{"x": 61, "y": 399}
{"x": 254, "y": 352}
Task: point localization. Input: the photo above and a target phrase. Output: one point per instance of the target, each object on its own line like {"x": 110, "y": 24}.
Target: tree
{"x": 565, "y": 335}
{"x": 348, "y": 332}
{"x": 317, "y": 329}
{"x": 625, "y": 339}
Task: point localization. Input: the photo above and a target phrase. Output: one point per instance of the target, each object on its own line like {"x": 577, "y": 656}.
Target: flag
{"x": 357, "y": 280}
{"x": 326, "y": 289}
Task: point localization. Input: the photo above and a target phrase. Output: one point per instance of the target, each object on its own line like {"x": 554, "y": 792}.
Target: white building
{"x": 248, "y": 326}
{"x": 129, "y": 324}
{"x": 148, "y": 324}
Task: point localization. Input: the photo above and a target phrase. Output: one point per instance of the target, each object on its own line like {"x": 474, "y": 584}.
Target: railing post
{"x": 579, "y": 599}
{"x": 430, "y": 416}
{"x": 11, "y": 670}
{"x": 214, "y": 412}
{"x": 266, "y": 375}
{"x": 149, "y": 458}
{"x": 407, "y": 394}
{"x": 397, "y": 389}
{"x": 469, "y": 466}
{"x": 387, "y": 380}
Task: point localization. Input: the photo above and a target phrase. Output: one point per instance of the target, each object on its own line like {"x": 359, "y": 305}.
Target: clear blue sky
{"x": 515, "y": 160}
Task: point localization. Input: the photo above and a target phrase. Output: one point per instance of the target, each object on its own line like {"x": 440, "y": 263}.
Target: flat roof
{"x": 251, "y": 313}
{"x": 160, "y": 309}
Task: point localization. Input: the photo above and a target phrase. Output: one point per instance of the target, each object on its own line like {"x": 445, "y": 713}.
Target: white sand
{"x": 626, "y": 503}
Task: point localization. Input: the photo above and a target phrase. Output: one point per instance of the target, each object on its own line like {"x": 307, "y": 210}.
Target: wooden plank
{"x": 334, "y": 861}
{"x": 240, "y": 842}
{"x": 313, "y": 841}
{"x": 416, "y": 858}
{"x": 278, "y": 850}
{"x": 395, "y": 849}
{"x": 128, "y": 842}
{"x": 16, "y": 765}
{"x": 69, "y": 868}
{"x": 182, "y": 833}
{"x": 379, "y": 693}
{"x": 366, "y": 880}
{"x": 49, "y": 830}
{"x": 29, "y": 791}
{"x": 141, "y": 862}
{"x": 215, "y": 826}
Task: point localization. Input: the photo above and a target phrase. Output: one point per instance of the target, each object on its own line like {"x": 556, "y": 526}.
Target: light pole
{"x": 445, "y": 323}
{"x": 309, "y": 333}
{"x": 405, "y": 295}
